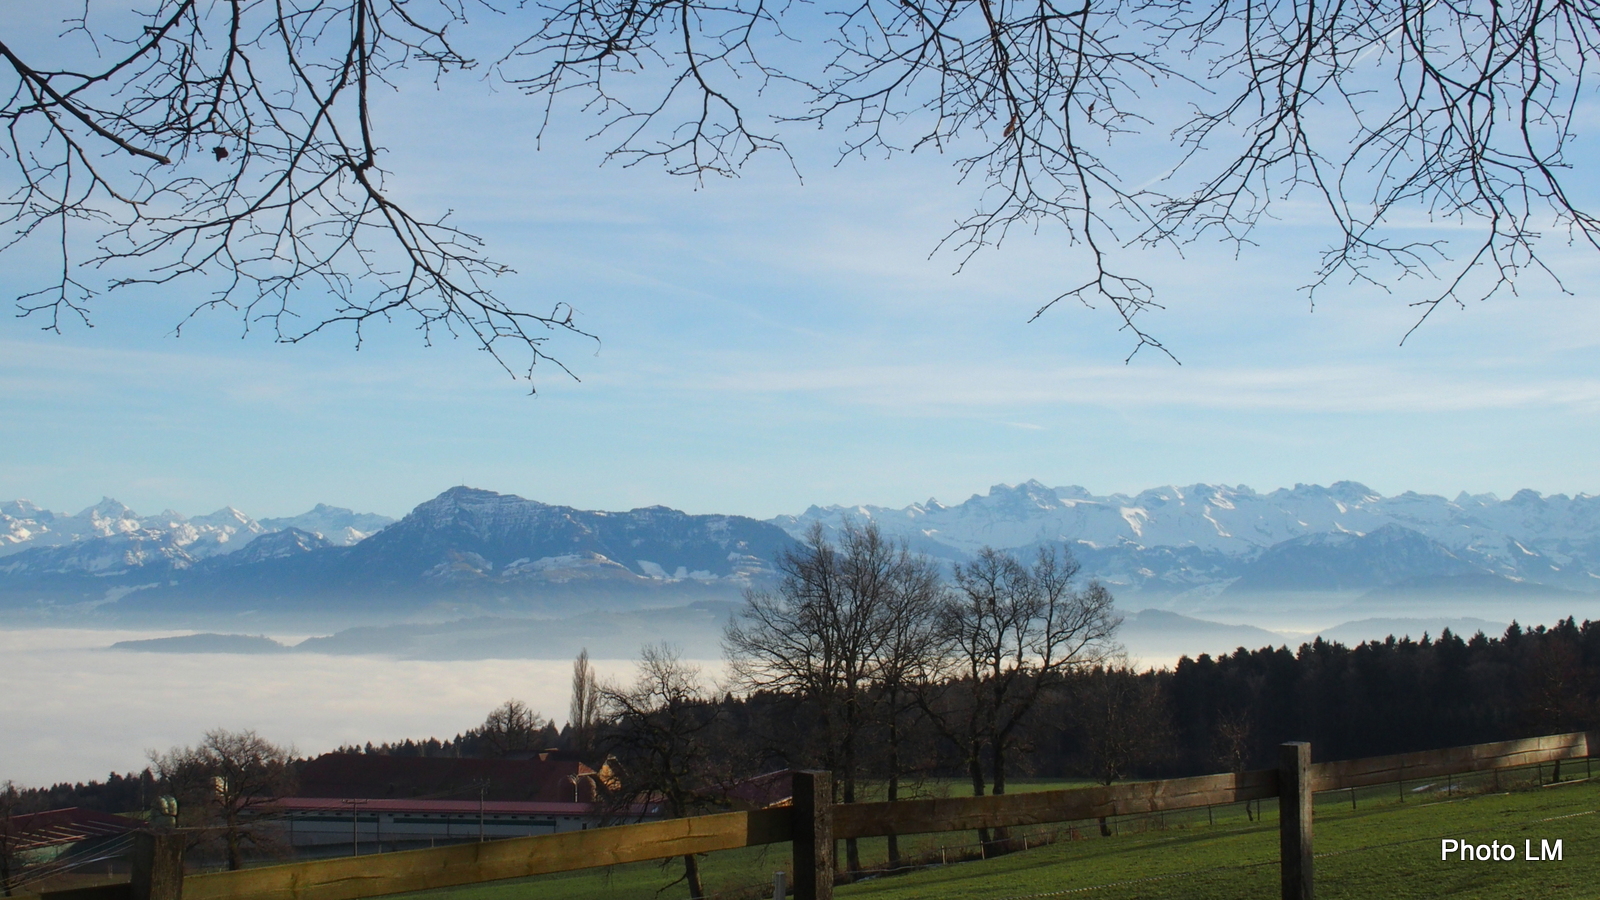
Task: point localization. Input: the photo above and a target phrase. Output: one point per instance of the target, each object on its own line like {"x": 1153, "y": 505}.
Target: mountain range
{"x": 109, "y": 527}
{"x": 1292, "y": 559}
{"x": 465, "y": 552}
{"x": 1549, "y": 539}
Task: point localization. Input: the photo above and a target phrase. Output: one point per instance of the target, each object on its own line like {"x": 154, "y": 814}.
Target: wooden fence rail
{"x": 813, "y": 824}
{"x": 854, "y": 820}
{"x": 1353, "y": 773}
{"x": 353, "y": 877}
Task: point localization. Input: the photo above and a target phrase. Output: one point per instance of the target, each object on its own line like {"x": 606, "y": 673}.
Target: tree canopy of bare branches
{"x": 844, "y": 621}
{"x": 511, "y": 727}
{"x": 236, "y": 141}
{"x": 239, "y": 140}
{"x": 662, "y": 734}
{"x": 222, "y": 779}
{"x": 1403, "y": 122}
{"x": 1010, "y": 632}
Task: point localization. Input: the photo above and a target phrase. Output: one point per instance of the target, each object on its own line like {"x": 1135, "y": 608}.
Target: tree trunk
{"x": 852, "y": 848}
{"x": 997, "y": 757}
{"x": 894, "y": 794}
{"x": 235, "y": 853}
{"x": 894, "y": 771}
{"x": 691, "y": 874}
{"x": 975, "y": 769}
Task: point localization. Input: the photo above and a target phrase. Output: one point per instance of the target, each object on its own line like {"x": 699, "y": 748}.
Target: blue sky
{"x": 768, "y": 342}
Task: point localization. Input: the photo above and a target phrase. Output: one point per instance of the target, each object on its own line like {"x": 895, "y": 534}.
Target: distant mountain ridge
{"x": 1227, "y": 552}
{"x": 180, "y": 541}
{"x": 472, "y": 535}
{"x": 1172, "y": 538}
{"x": 465, "y": 552}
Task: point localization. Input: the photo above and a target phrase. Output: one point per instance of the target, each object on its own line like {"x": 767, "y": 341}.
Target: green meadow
{"x": 1380, "y": 842}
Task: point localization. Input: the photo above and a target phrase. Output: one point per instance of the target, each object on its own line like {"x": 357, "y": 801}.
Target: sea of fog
{"x": 71, "y": 710}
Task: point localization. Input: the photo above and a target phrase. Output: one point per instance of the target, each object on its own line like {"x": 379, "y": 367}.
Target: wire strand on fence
{"x": 67, "y": 862}
{"x": 1084, "y": 889}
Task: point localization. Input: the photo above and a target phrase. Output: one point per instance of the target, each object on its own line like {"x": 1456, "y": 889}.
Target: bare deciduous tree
{"x": 511, "y": 727}
{"x": 1122, "y": 722}
{"x": 219, "y": 782}
{"x": 660, "y": 734}
{"x": 909, "y": 651}
{"x": 824, "y": 632}
{"x": 1010, "y": 632}
{"x": 1234, "y": 738}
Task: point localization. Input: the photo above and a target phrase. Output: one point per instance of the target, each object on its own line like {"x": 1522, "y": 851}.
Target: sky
{"x": 773, "y": 341}
{"x": 793, "y": 336}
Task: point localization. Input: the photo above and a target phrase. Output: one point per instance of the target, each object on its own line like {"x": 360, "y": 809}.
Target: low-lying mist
{"x": 73, "y": 710}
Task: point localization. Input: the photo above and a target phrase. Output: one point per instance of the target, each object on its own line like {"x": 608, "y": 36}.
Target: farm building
{"x": 362, "y": 802}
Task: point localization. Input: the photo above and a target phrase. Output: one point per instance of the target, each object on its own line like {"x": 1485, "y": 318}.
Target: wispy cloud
{"x": 1326, "y": 388}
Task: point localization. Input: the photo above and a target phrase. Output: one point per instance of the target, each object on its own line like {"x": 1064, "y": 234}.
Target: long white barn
{"x": 371, "y": 826}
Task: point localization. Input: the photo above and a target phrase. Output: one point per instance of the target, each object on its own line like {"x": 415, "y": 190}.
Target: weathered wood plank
{"x": 157, "y": 863}
{"x": 415, "y": 870}
{"x": 118, "y": 891}
{"x": 1295, "y": 860}
{"x": 812, "y": 826}
{"x": 1352, "y": 773}
{"x": 1042, "y": 807}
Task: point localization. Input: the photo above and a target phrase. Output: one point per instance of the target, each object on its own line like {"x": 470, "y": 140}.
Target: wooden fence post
{"x": 157, "y": 865}
{"x": 813, "y": 835}
{"x": 1294, "y": 819}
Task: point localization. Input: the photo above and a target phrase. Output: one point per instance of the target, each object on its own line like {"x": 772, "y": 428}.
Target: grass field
{"x": 1382, "y": 848}
{"x": 1379, "y": 850}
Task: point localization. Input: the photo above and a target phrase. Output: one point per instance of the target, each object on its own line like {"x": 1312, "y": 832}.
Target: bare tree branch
{"x": 1408, "y": 122}
{"x": 1434, "y": 140}
{"x": 234, "y": 142}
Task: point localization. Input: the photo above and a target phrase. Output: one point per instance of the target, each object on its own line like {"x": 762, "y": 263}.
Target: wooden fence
{"x": 813, "y": 823}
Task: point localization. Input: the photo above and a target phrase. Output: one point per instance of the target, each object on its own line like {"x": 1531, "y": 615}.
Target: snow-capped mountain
{"x": 476, "y": 535}
{"x": 109, "y": 535}
{"x": 337, "y": 525}
{"x": 1223, "y": 551}
{"x": 464, "y": 551}
{"x": 1179, "y": 537}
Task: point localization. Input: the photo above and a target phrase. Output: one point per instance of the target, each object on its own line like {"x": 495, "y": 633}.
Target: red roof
{"x": 68, "y": 826}
{"x": 769, "y": 789}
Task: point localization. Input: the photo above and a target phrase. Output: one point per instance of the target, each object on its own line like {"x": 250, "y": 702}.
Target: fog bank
{"x": 74, "y": 710}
